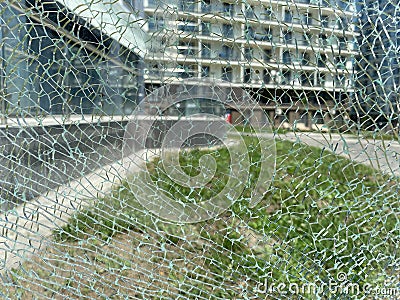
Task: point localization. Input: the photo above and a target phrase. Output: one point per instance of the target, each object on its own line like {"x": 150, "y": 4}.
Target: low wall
{"x": 35, "y": 159}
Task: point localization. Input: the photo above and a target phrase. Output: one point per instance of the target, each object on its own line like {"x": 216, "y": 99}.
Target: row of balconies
{"x": 254, "y": 76}
{"x": 253, "y": 33}
{"x": 227, "y": 8}
{"x": 287, "y": 38}
{"x": 326, "y": 21}
{"x": 225, "y": 52}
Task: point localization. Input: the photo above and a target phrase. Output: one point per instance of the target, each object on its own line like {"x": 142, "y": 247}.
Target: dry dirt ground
{"x": 134, "y": 265}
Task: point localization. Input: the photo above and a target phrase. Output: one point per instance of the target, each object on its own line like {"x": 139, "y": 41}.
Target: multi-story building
{"x": 378, "y": 66}
{"x": 295, "y": 57}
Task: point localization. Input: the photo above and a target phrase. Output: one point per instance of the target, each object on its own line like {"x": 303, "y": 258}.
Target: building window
{"x": 227, "y": 30}
{"x": 205, "y": 50}
{"x": 249, "y": 32}
{"x": 321, "y": 78}
{"x": 340, "y": 62}
{"x": 323, "y": 40}
{"x": 205, "y": 71}
{"x": 322, "y": 60}
{"x": 307, "y": 20}
{"x": 342, "y": 23}
{"x": 257, "y": 75}
{"x": 268, "y": 14}
{"x": 249, "y": 13}
{"x": 266, "y": 76}
{"x": 186, "y": 48}
{"x": 324, "y": 21}
{"x": 307, "y": 39}
{"x": 247, "y": 75}
{"x": 248, "y": 53}
{"x": 287, "y": 77}
{"x": 305, "y": 79}
{"x": 205, "y": 28}
{"x": 185, "y": 5}
{"x": 227, "y": 74}
{"x": 342, "y": 43}
{"x": 340, "y": 80}
{"x": 288, "y": 37}
{"x": 306, "y": 59}
{"x": 155, "y": 23}
{"x": 206, "y": 6}
{"x": 263, "y": 35}
{"x": 227, "y": 52}
{"x": 286, "y": 57}
{"x": 267, "y": 35}
{"x": 288, "y": 16}
{"x": 228, "y": 9}
{"x": 187, "y": 27}
{"x": 267, "y": 53}
{"x": 188, "y": 71}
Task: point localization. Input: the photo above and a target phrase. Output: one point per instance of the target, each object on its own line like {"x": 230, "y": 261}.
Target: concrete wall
{"x": 36, "y": 159}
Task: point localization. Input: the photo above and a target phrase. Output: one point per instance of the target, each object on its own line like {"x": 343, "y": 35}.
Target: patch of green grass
{"x": 322, "y": 215}
{"x": 250, "y": 129}
{"x": 378, "y": 135}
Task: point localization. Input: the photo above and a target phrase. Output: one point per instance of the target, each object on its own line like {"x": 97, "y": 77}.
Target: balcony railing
{"x": 229, "y": 56}
{"x": 187, "y": 51}
{"x": 188, "y": 28}
{"x": 251, "y": 35}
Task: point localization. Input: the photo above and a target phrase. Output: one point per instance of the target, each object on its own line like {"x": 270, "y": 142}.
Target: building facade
{"x": 295, "y": 57}
{"x": 378, "y": 66}
{"x": 56, "y": 61}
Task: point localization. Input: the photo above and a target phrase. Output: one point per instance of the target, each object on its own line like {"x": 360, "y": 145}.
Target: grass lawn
{"x": 362, "y": 134}
{"x": 322, "y": 215}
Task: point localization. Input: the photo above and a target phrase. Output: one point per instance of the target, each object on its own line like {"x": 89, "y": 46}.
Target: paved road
{"x": 382, "y": 155}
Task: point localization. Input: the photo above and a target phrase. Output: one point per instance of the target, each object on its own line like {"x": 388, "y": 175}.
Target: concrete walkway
{"x": 379, "y": 154}
{"x": 26, "y": 229}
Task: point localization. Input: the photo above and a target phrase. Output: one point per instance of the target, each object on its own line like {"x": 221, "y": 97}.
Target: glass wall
{"x": 57, "y": 64}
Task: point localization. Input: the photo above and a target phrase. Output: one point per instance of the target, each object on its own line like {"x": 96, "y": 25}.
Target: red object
{"x": 228, "y": 117}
